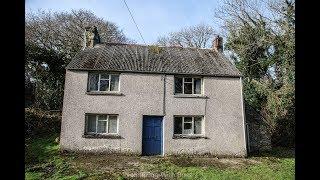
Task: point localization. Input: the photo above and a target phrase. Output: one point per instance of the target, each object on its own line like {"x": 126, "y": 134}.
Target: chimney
{"x": 91, "y": 37}
{"x": 218, "y": 44}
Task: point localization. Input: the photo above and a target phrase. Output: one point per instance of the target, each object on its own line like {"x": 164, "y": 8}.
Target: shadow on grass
{"x": 277, "y": 152}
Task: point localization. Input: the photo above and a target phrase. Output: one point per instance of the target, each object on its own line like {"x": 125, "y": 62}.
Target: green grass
{"x": 33, "y": 175}
{"x": 268, "y": 169}
{"x": 41, "y": 149}
{"x": 43, "y": 161}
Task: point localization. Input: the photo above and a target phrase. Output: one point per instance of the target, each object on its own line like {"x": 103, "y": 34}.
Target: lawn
{"x": 43, "y": 161}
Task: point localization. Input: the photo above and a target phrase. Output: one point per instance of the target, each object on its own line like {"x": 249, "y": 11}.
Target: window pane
{"x": 93, "y": 82}
{"x": 178, "y": 85}
{"x": 102, "y": 117}
{"x": 177, "y": 125}
{"x": 91, "y": 123}
{"x": 197, "y": 125}
{"x": 187, "y": 125}
{"x": 114, "y": 86}
{"x": 197, "y": 86}
{"x": 187, "y": 128}
{"x": 188, "y": 119}
{"x": 104, "y": 85}
{"x": 112, "y": 124}
{"x": 187, "y": 88}
{"x": 102, "y": 126}
{"x": 104, "y": 76}
{"x": 187, "y": 79}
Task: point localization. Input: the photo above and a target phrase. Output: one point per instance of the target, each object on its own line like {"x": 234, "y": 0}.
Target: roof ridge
{"x": 147, "y": 45}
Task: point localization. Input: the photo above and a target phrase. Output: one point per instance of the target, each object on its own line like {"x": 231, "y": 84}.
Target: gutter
{"x": 246, "y": 141}
{"x": 164, "y": 96}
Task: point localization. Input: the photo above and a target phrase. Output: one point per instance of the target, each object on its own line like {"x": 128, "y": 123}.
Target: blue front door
{"x": 152, "y": 135}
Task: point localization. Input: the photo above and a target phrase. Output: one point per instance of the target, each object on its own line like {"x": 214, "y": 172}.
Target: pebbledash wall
{"x": 143, "y": 94}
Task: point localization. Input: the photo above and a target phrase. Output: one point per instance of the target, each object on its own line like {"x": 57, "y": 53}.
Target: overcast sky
{"x": 154, "y": 17}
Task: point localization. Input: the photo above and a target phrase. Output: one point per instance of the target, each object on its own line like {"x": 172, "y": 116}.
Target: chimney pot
{"x": 218, "y": 44}
{"x": 91, "y": 36}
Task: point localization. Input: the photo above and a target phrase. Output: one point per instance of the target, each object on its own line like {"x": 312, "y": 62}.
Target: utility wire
{"x": 134, "y": 21}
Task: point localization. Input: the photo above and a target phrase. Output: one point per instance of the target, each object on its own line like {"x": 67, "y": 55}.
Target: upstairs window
{"x": 101, "y": 124}
{"x": 188, "y": 125}
{"x": 103, "y": 82}
{"x": 188, "y": 85}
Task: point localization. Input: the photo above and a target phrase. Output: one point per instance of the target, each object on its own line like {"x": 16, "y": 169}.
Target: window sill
{"x": 104, "y": 93}
{"x": 183, "y": 136}
{"x": 102, "y": 136}
{"x": 190, "y": 96}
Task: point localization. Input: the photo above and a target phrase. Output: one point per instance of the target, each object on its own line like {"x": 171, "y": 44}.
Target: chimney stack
{"x": 218, "y": 44}
{"x": 91, "y": 37}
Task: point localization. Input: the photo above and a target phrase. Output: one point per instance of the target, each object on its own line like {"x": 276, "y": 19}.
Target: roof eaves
{"x": 152, "y": 72}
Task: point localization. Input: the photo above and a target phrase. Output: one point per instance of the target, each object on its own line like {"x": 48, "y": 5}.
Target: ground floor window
{"x": 188, "y": 125}
{"x": 101, "y": 124}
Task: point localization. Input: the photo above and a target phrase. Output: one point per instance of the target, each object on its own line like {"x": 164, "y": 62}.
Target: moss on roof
{"x": 153, "y": 59}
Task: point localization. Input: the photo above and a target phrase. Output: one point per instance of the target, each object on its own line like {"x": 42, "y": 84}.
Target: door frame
{"x": 163, "y": 130}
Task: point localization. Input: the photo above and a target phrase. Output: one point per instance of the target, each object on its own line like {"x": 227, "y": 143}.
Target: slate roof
{"x": 153, "y": 59}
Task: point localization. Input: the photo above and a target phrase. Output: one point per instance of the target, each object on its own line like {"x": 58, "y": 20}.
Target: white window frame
{"x": 109, "y": 79}
{"x": 192, "y": 127}
{"x": 192, "y": 87}
{"x": 107, "y": 126}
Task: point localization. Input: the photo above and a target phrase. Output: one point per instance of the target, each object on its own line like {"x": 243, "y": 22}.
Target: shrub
{"x": 38, "y": 122}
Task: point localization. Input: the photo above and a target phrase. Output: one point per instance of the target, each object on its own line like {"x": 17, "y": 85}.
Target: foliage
{"x": 46, "y": 67}
{"x": 51, "y": 40}
{"x": 195, "y": 36}
{"x": 37, "y": 122}
{"x": 261, "y": 36}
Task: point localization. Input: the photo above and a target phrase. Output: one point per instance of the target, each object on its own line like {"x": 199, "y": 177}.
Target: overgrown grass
{"x": 268, "y": 169}
{"x": 43, "y": 161}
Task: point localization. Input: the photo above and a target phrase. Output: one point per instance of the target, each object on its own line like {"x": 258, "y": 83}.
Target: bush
{"x": 39, "y": 122}
{"x": 284, "y": 135}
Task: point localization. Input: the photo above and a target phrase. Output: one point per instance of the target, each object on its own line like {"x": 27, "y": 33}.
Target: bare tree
{"x": 51, "y": 40}
{"x": 63, "y": 31}
{"x": 252, "y": 13}
{"x": 195, "y": 36}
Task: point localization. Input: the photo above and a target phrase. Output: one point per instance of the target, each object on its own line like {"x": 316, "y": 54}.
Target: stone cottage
{"x": 153, "y": 100}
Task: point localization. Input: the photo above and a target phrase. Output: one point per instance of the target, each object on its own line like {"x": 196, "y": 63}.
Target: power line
{"x": 134, "y": 21}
